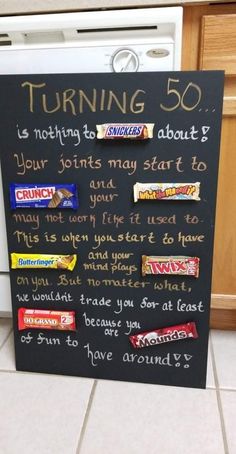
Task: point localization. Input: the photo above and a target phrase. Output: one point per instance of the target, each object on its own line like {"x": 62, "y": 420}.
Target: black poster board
{"x": 48, "y": 125}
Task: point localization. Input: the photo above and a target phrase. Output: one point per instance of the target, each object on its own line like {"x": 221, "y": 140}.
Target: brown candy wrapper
{"x": 178, "y": 265}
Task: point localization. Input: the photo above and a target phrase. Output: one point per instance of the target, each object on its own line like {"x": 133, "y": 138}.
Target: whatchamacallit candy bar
{"x": 43, "y": 319}
{"x": 176, "y": 265}
{"x": 62, "y": 262}
{"x": 162, "y": 335}
{"x": 43, "y": 196}
{"x": 125, "y": 131}
{"x": 166, "y": 191}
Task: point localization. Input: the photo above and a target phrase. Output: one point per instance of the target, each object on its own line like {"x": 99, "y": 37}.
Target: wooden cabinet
{"x": 218, "y": 43}
{"x": 209, "y": 42}
{"x": 218, "y": 51}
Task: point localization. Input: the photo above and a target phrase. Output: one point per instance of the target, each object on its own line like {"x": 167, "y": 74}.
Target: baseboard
{"x": 223, "y": 312}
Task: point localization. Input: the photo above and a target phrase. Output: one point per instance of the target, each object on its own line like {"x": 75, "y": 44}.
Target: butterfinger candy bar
{"x": 166, "y": 191}
{"x": 125, "y": 131}
{"x": 162, "y": 335}
{"x": 43, "y": 196}
{"x": 179, "y": 265}
{"x": 41, "y": 319}
{"x": 62, "y": 262}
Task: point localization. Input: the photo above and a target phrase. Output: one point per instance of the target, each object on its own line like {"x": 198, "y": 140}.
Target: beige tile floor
{"x": 48, "y": 414}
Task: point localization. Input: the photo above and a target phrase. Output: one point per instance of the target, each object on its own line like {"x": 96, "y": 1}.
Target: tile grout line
{"x": 6, "y": 339}
{"x": 86, "y": 417}
{"x": 218, "y": 397}
{"x": 230, "y": 390}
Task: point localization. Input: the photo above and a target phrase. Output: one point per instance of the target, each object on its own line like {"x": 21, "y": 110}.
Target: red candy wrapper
{"x": 41, "y": 319}
{"x": 163, "y": 335}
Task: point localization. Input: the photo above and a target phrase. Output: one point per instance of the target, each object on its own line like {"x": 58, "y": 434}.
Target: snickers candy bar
{"x": 62, "y": 262}
{"x": 176, "y": 265}
{"x": 166, "y": 191}
{"x": 43, "y": 196}
{"x": 163, "y": 335}
{"x": 43, "y": 319}
{"x": 125, "y": 131}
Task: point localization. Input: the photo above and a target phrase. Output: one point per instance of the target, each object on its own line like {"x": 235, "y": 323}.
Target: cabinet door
{"x": 218, "y": 51}
{"x": 209, "y": 43}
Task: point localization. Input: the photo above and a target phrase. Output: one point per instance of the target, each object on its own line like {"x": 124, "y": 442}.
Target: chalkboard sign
{"x": 48, "y": 136}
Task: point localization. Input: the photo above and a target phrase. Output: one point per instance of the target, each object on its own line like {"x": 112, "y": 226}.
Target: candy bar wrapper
{"x": 162, "y": 335}
{"x": 43, "y": 196}
{"x": 179, "y": 265}
{"x": 41, "y": 319}
{"x": 125, "y": 131}
{"x": 62, "y": 262}
{"x": 166, "y": 191}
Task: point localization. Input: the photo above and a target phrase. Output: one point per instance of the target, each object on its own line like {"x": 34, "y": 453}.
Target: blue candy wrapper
{"x": 44, "y": 196}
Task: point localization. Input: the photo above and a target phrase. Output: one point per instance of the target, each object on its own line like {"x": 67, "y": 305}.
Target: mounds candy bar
{"x": 125, "y": 131}
{"x": 166, "y": 191}
{"x": 62, "y": 262}
{"x": 43, "y": 196}
{"x": 178, "y": 265}
{"x": 41, "y": 319}
{"x": 162, "y": 335}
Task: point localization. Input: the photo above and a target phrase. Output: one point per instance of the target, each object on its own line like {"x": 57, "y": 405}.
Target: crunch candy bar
{"x": 43, "y": 196}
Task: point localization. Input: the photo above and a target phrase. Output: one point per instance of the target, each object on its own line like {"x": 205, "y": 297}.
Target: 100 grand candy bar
{"x": 43, "y": 196}
{"x": 43, "y": 319}
{"x": 176, "y": 265}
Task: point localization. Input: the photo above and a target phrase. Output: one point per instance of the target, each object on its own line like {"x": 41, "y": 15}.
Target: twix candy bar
{"x": 43, "y": 319}
{"x": 125, "y": 131}
{"x": 166, "y": 191}
{"x": 62, "y": 262}
{"x": 176, "y": 265}
{"x": 163, "y": 335}
{"x": 43, "y": 196}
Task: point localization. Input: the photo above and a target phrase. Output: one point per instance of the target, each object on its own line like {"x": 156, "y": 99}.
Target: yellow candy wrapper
{"x": 62, "y": 262}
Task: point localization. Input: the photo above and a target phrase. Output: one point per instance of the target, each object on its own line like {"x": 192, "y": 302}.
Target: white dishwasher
{"x": 102, "y": 41}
